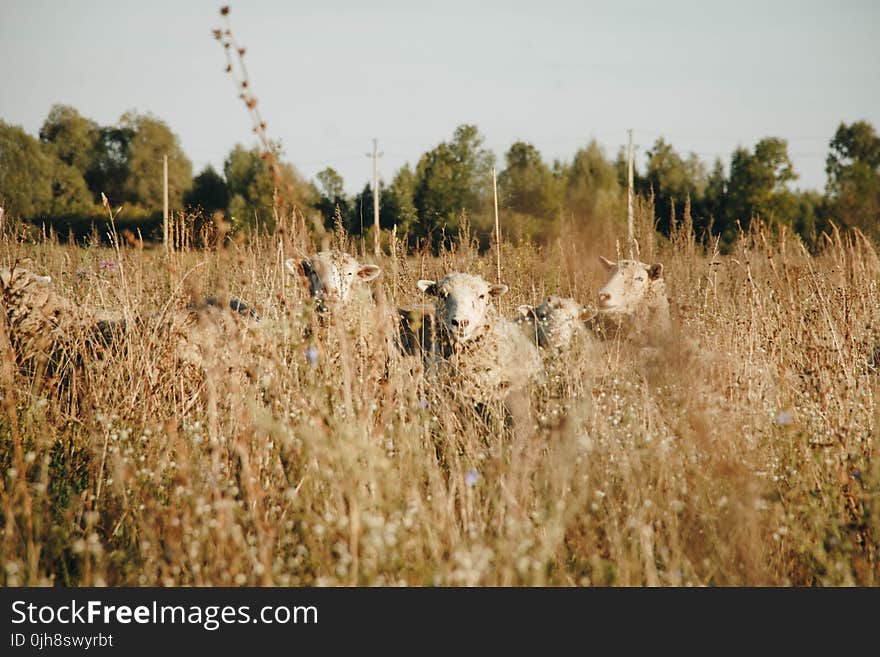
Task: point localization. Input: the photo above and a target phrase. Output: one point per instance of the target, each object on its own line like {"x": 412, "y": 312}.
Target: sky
{"x": 332, "y": 75}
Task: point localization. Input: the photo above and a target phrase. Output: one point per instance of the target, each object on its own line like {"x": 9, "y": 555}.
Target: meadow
{"x": 273, "y": 455}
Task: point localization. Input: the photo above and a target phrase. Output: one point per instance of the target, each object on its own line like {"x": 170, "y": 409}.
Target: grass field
{"x": 741, "y": 449}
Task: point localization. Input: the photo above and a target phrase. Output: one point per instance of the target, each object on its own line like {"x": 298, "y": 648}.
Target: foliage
{"x": 64, "y": 175}
{"x": 252, "y": 187}
{"x": 853, "y": 168}
{"x": 209, "y": 191}
{"x": 527, "y": 185}
{"x": 333, "y": 201}
{"x": 454, "y": 176}
{"x": 34, "y": 182}
{"x": 738, "y": 450}
{"x": 673, "y": 180}
{"x": 148, "y": 140}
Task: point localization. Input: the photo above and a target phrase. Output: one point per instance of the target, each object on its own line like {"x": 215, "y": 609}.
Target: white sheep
{"x": 486, "y": 354}
{"x": 634, "y": 295}
{"x": 336, "y": 279}
{"x": 554, "y": 323}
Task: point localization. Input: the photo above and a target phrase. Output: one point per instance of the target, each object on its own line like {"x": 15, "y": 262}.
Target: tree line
{"x": 61, "y": 174}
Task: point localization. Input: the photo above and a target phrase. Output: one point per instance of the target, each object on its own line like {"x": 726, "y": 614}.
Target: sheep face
{"x": 333, "y": 276}
{"x": 463, "y": 303}
{"x": 631, "y": 283}
{"x": 553, "y": 323}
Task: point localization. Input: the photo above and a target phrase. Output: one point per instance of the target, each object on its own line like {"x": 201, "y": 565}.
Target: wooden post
{"x": 375, "y": 155}
{"x": 497, "y": 227}
{"x": 630, "y": 229}
{"x": 165, "y": 201}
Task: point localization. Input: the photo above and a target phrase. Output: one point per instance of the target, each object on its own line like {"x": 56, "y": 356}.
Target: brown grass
{"x": 740, "y": 450}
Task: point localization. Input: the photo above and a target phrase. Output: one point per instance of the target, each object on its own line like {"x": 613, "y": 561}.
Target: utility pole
{"x": 629, "y": 196}
{"x": 497, "y": 225}
{"x": 375, "y": 155}
{"x": 165, "y": 201}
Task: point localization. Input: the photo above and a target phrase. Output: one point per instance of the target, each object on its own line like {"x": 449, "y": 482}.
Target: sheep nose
{"x": 460, "y": 323}
{"x": 603, "y": 297}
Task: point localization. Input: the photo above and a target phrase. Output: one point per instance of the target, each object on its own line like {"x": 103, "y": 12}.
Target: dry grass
{"x": 742, "y": 454}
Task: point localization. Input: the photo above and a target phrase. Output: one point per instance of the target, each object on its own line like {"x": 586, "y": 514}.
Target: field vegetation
{"x": 741, "y": 448}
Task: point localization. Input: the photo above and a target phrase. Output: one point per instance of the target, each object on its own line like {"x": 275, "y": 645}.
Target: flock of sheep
{"x": 461, "y": 335}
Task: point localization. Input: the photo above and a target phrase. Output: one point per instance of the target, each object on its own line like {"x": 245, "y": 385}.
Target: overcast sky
{"x": 331, "y": 75}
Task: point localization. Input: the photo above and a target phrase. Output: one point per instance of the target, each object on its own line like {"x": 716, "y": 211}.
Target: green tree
{"x": 252, "y": 187}
{"x": 74, "y": 138}
{"x": 451, "y": 178}
{"x": 209, "y": 191}
{"x": 397, "y": 202}
{"x": 673, "y": 180}
{"x": 711, "y": 209}
{"x": 150, "y": 140}
{"x": 332, "y": 198}
{"x": 527, "y": 185}
{"x": 758, "y": 185}
{"x": 110, "y": 170}
{"x": 591, "y": 181}
{"x": 34, "y": 183}
{"x": 853, "y": 168}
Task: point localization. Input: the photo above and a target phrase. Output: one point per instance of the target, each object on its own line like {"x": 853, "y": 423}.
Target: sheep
{"x": 212, "y": 332}
{"x": 233, "y": 303}
{"x": 48, "y": 333}
{"x": 39, "y": 317}
{"x": 335, "y": 278}
{"x": 555, "y": 323}
{"x": 635, "y": 296}
{"x": 346, "y": 311}
{"x": 483, "y": 351}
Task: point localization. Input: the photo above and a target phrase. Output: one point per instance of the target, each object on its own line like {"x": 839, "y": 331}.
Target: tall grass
{"x": 741, "y": 449}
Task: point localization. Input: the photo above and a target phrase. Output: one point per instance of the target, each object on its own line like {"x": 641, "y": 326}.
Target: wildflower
{"x": 109, "y": 265}
{"x": 423, "y": 403}
{"x": 312, "y": 356}
{"x": 784, "y": 418}
{"x": 471, "y": 477}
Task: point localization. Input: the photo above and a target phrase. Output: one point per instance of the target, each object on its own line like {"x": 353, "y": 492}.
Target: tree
{"x": 110, "y": 170}
{"x": 527, "y": 185}
{"x": 853, "y": 168}
{"x": 74, "y": 137}
{"x": 398, "y": 206}
{"x": 209, "y": 191}
{"x": 758, "y": 184}
{"x": 451, "y": 178}
{"x": 333, "y": 198}
{"x": 590, "y": 181}
{"x": 713, "y": 206}
{"x": 252, "y": 186}
{"x": 34, "y": 183}
{"x": 150, "y": 140}
{"x": 673, "y": 181}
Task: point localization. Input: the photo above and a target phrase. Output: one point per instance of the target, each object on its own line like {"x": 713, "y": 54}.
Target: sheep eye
{"x": 482, "y": 296}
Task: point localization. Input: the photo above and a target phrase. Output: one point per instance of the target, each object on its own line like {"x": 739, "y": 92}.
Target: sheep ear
{"x": 428, "y": 287}
{"x": 295, "y": 268}
{"x": 368, "y": 272}
{"x": 586, "y": 313}
{"x": 498, "y": 290}
{"x": 655, "y": 271}
{"x": 525, "y": 311}
{"x": 608, "y": 264}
